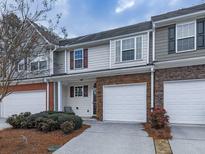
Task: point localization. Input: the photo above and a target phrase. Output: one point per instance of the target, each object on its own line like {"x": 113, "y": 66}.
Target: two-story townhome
{"x": 106, "y": 74}
{"x": 179, "y": 56}
{"x": 120, "y": 74}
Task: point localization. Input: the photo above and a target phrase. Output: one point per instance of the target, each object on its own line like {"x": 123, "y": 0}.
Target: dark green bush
{"x": 67, "y": 127}
{"x": 44, "y": 121}
{"x": 18, "y": 121}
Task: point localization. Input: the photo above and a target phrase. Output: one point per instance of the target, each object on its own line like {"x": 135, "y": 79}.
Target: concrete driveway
{"x": 110, "y": 138}
{"x": 3, "y": 124}
{"x": 189, "y": 139}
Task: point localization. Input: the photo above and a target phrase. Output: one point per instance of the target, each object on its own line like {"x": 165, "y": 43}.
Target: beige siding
{"x": 145, "y": 51}
{"x": 161, "y": 48}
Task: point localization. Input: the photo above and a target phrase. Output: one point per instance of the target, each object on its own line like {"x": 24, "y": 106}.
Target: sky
{"x": 82, "y": 17}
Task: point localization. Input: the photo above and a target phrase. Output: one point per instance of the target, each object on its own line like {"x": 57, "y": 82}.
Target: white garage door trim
{"x": 37, "y": 105}
{"x": 194, "y": 91}
{"x": 143, "y": 116}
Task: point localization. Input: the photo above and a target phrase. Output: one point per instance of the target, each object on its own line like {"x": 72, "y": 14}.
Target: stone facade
{"x": 179, "y": 73}
{"x": 121, "y": 79}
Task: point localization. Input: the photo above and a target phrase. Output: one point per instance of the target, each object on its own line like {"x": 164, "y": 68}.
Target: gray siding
{"x": 161, "y": 48}
{"x": 59, "y": 62}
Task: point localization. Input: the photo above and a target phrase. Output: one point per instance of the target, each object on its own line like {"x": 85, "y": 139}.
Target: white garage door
{"x": 125, "y": 103}
{"x": 185, "y": 101}
{"x": 15, "y": 103}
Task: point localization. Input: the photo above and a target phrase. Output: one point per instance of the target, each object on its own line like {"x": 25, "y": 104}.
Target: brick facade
{"x": 170, "y": 74}
{"x": 37, "y": 86}
{"x": 121, "y": 79}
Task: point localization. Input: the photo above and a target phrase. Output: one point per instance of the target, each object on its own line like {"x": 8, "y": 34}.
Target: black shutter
{"x": 71, "y": 91}
{"x": 71, "y": 60}
{"x": 200, "y": 33}
{"x": 172, "y": 39}
{"x": 85, "y": 91}
{"x": 85, "y": 57}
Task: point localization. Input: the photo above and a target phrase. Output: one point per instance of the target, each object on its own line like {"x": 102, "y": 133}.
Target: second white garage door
{"x": 185, "y": 101}
{"x": 17, "y": 102}
{"x": 125, "y": 103}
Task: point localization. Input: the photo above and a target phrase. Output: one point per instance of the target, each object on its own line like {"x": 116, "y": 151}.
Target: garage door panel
{"x": 185, "y": 101}
{"x": 32, "y": 101}
{"x": 125, "y": 102}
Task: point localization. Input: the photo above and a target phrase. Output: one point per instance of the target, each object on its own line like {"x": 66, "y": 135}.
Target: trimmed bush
{"x": 44, "y": 121}
{"x": 18, "y": 121}
{"x": 67, "y": 127}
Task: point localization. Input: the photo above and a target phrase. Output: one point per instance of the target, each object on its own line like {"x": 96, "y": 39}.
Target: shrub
{"x": 46, "y": 125}
{"x": 78, "y": 122}
{"x": 18, "y": 121}
{"x": 158, "y": 118}
{"x": 67, "y": 127}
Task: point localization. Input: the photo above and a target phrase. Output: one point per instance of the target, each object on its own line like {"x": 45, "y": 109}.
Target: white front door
{"x": 185, "y": 101}
{"x": 125, "y": 102}
{"x": 26, "y": 101}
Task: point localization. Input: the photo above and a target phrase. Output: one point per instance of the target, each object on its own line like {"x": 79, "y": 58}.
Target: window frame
{"x": 135, "y": 49}
{"x": 38, "y": 61}
{"x": 78, "y": 59}
{"x": 195, "y": 36}
{"x": 75, "y": 90}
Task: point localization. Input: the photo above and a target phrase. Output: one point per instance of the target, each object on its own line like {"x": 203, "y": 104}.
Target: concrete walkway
{"x": 188, "y": 139}
{"x": 3, "y": 124}
{"x": 110, "y": 138}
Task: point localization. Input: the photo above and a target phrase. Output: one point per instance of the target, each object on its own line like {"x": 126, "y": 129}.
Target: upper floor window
{"x": 185, "y": 36}
{"x": 129, "y": 49}
{"x": 78, "y": 58}
{"x": 39, "y": 63}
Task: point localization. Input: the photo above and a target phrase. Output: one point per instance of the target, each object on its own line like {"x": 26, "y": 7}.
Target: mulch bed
{"x": 158, "y": 133}
{"x": 26, "y": 141}
{"x": 162, "y": 146}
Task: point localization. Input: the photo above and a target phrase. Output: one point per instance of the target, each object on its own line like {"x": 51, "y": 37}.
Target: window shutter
{"x": 172, "y": 39}
{"x": 71, "y": 60}
{"x": 25, "y": 63}
{"x": 201, "y": 33}
{"x": 85, "y": 57}
{"x": 118, "y": 50}
{"x": 85, "y": 91}
{"x": 71, "y": 91}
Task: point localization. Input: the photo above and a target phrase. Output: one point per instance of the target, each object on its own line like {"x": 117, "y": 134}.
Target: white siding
{"x": 131, "y": 63}
{"x": 98, "y": 59}
{"x": 84, "y": 104}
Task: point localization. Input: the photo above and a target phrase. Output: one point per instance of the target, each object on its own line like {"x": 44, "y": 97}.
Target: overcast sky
{"x": 81, "y": 17}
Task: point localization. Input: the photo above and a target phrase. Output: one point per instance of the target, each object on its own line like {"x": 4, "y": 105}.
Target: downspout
{"x": 152, "y": 87}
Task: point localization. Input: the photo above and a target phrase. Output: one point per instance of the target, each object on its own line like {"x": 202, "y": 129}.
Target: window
{"x": 78, "y": 91}
{"x": 78, "y": 58}
{"x": 201, "y": 33}
{"x": 129, "y": 49}
{"x": 34, "y": 66}
{"x": 185, "y": 36}
{"x": 43, "y": 65}
{"x": 20, "y": 67}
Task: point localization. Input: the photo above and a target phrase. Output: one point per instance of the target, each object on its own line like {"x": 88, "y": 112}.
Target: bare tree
{"x": 19, "y": 39}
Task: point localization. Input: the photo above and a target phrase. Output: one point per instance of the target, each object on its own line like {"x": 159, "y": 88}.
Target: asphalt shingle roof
{"x": 179, "y": 12}
{"x": 108, "y": 34}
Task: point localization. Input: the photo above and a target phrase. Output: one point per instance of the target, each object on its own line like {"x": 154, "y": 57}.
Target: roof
{"x": 108, "y": 34}
{"x": 179, "y": 12}
{"x": 50, "y": 36}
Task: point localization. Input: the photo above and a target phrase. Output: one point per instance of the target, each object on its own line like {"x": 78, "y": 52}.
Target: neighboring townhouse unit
{"x": 179, "y": 50}
{"x": 120, "y": 74}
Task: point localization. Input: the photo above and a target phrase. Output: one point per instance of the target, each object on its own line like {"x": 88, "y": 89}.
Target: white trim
{"x": 47, "y": 96}
{"x": 60, "y": 99}
{"x": 178, "y": 17}
{"x": 129, "y": 84}
{"x": 148, "y": 46}
{"x": 66, "y": 61}
{"x": 188, "y": 80}
{"x": 153, "y": 45}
